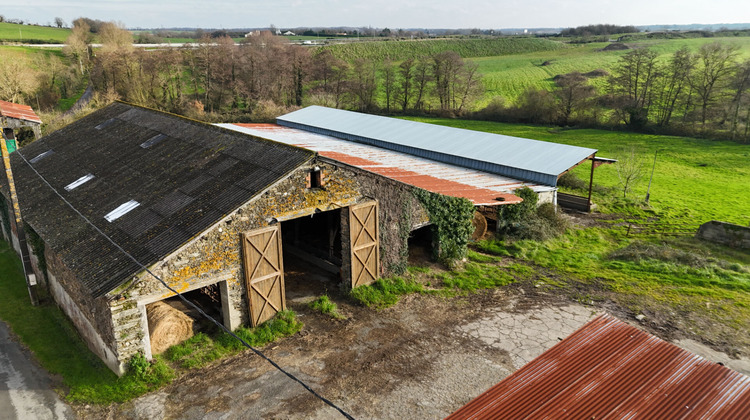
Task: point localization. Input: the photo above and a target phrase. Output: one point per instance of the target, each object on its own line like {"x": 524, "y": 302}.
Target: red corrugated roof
{"x": 611, "y": 370}
{"x": 20, "y": 112}
{"x": 479, "y": 188}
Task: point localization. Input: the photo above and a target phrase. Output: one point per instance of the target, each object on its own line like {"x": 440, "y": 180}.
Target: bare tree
{"x": 389, "y": 83}
{"x": 59, "y": 22}
{"x": 572, "y": 92}
{"x": 630, "y": 166}
{"x": 631, "y": 85}
{"x": 17, "y": 79}
{"x": 716, "y": 63}
{"x": 77, "y": 44}
{"x": 673, "y": 84}
{"x": 406, "y": 72}
{"x": 363, "y": 84}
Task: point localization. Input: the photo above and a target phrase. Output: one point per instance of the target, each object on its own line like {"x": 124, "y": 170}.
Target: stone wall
{"x": 725, "y": 233}
{"x": 91, "y": 316}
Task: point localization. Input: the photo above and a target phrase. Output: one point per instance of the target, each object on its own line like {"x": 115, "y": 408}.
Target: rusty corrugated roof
{"x": 19, "y": 112}
{"x": 611, "y": 370}
{"x": 481, "y": 188}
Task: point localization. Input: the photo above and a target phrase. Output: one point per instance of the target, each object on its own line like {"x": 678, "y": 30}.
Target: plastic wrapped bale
{"x": 167, "y": 326}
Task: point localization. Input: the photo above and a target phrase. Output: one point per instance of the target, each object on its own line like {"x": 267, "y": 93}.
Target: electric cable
{"x": 194, "y": 306}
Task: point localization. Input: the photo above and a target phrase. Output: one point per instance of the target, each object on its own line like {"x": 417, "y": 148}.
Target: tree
{"x": 404, "y": 88}
{"x": 364, "y": 84}
{"x": 77, "y": 44}
{"x": 716, "y": 63}
{"x": 672, "y": 85}
{"x": 59, "y": 22}
{"x": 389, "y": 83}
{"x": 17, "y": 79}
{"x": 572, "y": 92}
{"x": 630, "y": 167}
{"x": 631, "y": 85}
{"x": 740, "y": 84}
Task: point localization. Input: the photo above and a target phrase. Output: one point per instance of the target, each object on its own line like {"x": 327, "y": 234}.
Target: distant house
{"x": 289, "y": 33}
{"x": 16, "y": 117}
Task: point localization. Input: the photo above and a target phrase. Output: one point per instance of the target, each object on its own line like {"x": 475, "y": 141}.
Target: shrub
{"x": 570, "y": 180}
{"x": 324, "y": 305}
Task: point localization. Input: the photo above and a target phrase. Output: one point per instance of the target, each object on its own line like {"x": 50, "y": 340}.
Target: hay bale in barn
{"x": 480, "y": 226}
{"x": 167, "y": 326}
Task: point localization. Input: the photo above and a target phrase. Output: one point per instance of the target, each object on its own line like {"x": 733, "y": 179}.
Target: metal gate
{"x": 264, "y": 273}
{"x": 364, "y": 233}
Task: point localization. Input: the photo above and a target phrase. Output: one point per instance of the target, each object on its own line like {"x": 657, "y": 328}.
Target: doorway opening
{"x": 312, "y": 255}
{"x": 421, "y": 243}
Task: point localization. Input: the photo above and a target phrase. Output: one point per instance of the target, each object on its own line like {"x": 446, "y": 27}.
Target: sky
{"x": 394, "y": 14}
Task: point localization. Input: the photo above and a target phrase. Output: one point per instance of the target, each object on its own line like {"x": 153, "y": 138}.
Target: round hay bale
{"x": 480, "y": 226}
{"x": 167, "y": 326}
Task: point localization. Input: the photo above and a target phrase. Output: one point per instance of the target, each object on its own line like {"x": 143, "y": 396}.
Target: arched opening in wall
{"x": 172, "y": 321}
{"x": 421, "y": 242}
{"x": 312, "y": 255}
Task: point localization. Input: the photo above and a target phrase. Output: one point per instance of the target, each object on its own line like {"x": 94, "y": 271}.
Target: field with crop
{"x": 12, "y": 32}
{"x": 402, "y": 50}
{"x": 509, "y": 76}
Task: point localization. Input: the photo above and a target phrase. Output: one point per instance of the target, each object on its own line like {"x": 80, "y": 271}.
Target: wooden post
{"x": 28, "y": 271}
{"x": 591, "y": 182}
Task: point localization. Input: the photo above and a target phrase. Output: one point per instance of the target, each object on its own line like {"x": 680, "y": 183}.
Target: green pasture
{"x": 509, "y": 76}
{"x": 695, "y": 180}
{"x": 32, "y": 34}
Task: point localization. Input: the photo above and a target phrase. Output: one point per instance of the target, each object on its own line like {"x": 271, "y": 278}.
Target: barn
{"x": 242, "y": 219}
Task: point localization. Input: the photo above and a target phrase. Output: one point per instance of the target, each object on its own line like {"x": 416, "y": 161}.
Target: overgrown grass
{"x": 385, "y": 292}
{"x": 202, "y": 349}
{"x": 325, "y": 306}
{"x": 475, "y": 276}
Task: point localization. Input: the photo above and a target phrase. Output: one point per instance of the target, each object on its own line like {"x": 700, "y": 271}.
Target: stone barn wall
{"x": 725, "y": 233}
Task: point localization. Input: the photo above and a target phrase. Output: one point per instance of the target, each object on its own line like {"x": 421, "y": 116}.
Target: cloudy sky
{"x": 485, "y": 14}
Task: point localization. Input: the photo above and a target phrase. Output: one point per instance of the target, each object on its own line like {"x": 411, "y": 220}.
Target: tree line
{"x": 702, "y": 93}
{"x": 264, "y": 75}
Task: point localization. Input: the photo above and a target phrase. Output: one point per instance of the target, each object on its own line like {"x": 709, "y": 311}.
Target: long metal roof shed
{"x": 533, "y": 160}
{"x": 481, "y": 188}
{"x": 609, "y": 369}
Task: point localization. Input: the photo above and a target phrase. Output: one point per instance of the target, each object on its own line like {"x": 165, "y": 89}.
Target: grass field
{"x": 36, "y": 34}
{"x": 509, "y": 76}
{"x": 402, "y": 50}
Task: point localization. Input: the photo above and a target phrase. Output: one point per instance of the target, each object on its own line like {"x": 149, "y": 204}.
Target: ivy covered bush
{"x": 451, "y": 220}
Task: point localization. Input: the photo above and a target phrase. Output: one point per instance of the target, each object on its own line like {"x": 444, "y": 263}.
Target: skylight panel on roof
{"x": 105, "y": 124}
{"x": 41, "y": 156}
{"x": 153, "y": 140}
{"x": 78, "y": 182}
{"x": 121, "y": 210}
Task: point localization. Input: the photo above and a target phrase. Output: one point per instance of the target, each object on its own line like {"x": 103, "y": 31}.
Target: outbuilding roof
{"x": 480, "y": 188}
{"x": 609, "y": 369}
{"x": 150, "y": 180}
{"x": 19, "y": 112}
{"x": 532, "y": 160}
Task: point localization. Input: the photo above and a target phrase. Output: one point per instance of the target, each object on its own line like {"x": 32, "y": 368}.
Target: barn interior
{"x": 172, "y": 321}
{"x": 312, "y": 255}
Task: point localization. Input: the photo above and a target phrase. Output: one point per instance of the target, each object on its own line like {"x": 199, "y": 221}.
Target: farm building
{"x": 240, "y": 222}
{"x": 609, "y": 369}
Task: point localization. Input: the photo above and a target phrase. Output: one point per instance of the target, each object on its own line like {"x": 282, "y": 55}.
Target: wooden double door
{"x": 264, "y": 261}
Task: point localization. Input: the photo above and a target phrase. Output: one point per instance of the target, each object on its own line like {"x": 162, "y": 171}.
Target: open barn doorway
{"x": 312, "y": 255}
{"x": 172, "y": 321}
{"x": 421, "y": 242}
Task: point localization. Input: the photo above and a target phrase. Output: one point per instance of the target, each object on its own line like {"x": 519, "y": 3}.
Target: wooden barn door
{"x": 264, "y": 273}
{"x": 364, "y": 233}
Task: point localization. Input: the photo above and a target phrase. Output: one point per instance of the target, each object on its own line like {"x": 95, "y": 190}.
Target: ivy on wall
{"x": 37, "y": 246}
{"x": 451, "y": 219}
{"x": 5, "y": 214}
{"x": 510, "y": 216}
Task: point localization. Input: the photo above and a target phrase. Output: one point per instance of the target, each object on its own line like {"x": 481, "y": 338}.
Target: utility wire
{"x": 194, "y": 306}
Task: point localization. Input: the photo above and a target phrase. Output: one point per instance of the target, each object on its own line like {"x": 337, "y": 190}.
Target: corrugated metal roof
{"x": 533, "y": 160}
{"x": 608, "y": 369}
{"x": 189, "y": 179}
{"x": 19, "y": 112}
{"x": 481, "y": 188}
